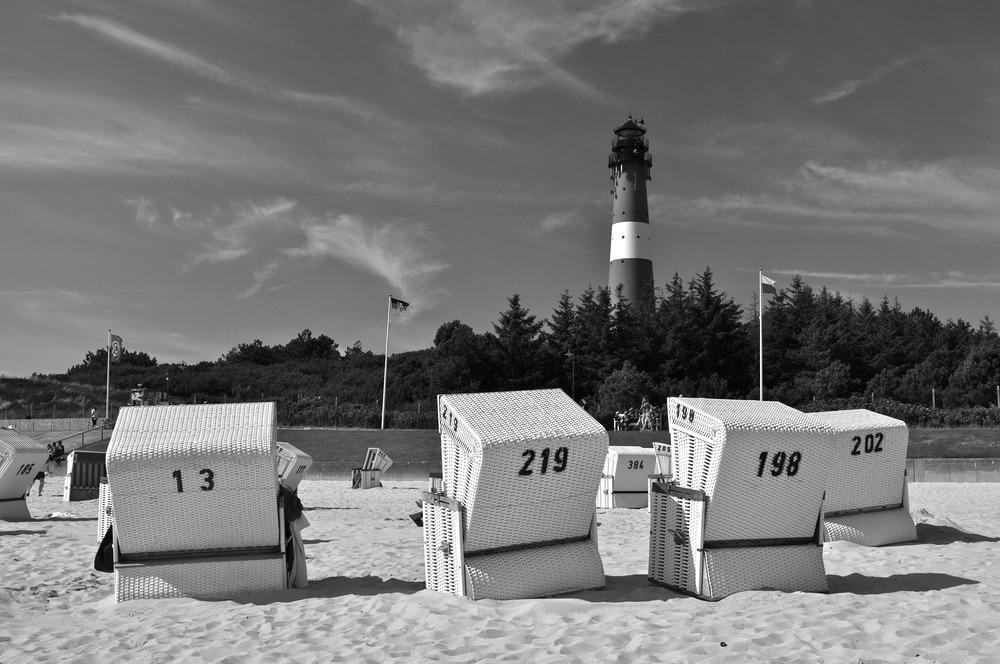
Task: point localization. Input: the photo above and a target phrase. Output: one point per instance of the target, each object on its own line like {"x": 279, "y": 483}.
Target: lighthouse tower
{"x": 629, "y": 163}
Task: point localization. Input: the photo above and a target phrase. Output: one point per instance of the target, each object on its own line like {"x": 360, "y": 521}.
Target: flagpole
{"x": 385, "y": 371}
{"x": 107, "y": 384}
{"x": 760, "y": 327}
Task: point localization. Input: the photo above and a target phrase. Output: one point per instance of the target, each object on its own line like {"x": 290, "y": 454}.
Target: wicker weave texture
{"x": 868, "y": 459}
{"x": 218, "y": 579}
{"x": 443, "y": 559}
{"x": 630, "y": 465}
{"x": 21, "y": 458}
{"x": 194, "y": 477}
{"x": 675, "y": 537}
{"x": 872, "y": 528}
{"x": 788, "y": 568}
{"x": 292, "y": 465}
{"x": 535, "y": 572}
{"x": 762, "y": 465}
{"x": 525, "y": 465}
{"x": 104, "y": 511}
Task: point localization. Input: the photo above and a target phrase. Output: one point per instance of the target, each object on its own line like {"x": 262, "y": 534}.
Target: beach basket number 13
{"x": 207, "y": 476}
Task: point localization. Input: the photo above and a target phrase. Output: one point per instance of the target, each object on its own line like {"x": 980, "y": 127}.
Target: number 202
{"x": 207, "y": 475}
{"x": 873, "y": 443}
{"x": 561, "y": 457}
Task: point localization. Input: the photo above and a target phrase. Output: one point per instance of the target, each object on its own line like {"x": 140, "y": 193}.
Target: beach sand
{"x": 934, "y": 600}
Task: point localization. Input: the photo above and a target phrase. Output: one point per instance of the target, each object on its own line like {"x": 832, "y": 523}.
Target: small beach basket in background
{"x": 744, "y": 509}
{"x": 195, "y": 495}
{"x": 293, "y": 464}
{"x": 516, "y": 518}
{"x": 867, "y": 497}
{"x": 625, "y": 482}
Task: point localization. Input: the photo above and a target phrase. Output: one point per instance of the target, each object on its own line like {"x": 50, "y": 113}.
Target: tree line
{"x": 821, "y": 351}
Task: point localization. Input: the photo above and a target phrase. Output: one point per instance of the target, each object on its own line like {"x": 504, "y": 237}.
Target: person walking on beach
{"x": 40, "y": 478}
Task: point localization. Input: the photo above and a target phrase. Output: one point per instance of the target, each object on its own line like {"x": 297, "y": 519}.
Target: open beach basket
{"x": 195, "y": 501}
{"x": 369, "y": 475}
{"x": 516, "y": 518}
{"x": 21, "y": 458}
{"x": 625, "y": 482}
{"x": 867, "y": 497}
{"x": 293, "y": 464}
{"x": 744, "y": 510}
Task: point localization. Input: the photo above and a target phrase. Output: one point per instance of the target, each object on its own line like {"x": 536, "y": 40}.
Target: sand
{"x": 935, "y": 600}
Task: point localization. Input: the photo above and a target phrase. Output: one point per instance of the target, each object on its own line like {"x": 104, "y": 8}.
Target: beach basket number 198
{"x": 778, "y": 466}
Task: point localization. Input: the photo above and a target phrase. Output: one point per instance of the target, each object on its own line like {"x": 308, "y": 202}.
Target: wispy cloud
{"x": 850, "y": 86}
{"x": 278, "y": 238}
{"x": 940, "y": 280}
{"x": 558, "y": 221}
{"x": 486, "y": 47}
{"x": 123, "y": 36}
{"x": 959, "y": 197}
{"x": 62, "y": 130}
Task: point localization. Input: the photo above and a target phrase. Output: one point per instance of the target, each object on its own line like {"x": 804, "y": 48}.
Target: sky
{"x": 197, "y": 174}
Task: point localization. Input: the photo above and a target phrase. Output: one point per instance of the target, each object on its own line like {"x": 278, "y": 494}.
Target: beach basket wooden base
{"x": 537, "y": 570}
{"x": 365, "y": 478}
{"x": 681, "y": 559}
{"x": 214, "y": 578}
{"x": 872, "y": 528}
{"x": 14, "y": 509}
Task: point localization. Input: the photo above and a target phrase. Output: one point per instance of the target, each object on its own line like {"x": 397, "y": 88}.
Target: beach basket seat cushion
{"x": 195, "y": 501}
{"x": 748, "y": 484}
{"x": 21, "y": 459}
{"x": 520, "y": 471}
{"x": 867, "y": 499}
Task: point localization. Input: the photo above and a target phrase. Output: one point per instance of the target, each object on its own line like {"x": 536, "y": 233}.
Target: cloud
{"x": 47, "y": 130}
{"x": 558, "y": 221}
{"x": 125, "y": 37}
{"x": 941, "y": 280}
{"x": 850, "y": 86}
{"x": 484, "y": 47}
{"x": 398, "y": 252}
{"x": 277, "y": 237}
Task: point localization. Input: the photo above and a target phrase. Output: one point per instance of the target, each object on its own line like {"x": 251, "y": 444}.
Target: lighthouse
{"x": 631, "y": 265}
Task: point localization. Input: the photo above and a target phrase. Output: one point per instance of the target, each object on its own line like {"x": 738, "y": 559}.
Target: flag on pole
{"x": 115, "y": 349}
{"x": 397, "y": 306}
{"x": 767, "y": 285}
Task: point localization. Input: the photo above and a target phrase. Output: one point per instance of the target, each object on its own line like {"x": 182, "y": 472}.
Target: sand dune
{"x": 935, "y": 600}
